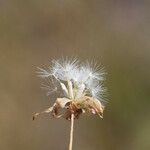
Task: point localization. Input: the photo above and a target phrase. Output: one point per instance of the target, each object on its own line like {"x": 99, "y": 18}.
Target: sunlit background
{"x": 115, "y": 33}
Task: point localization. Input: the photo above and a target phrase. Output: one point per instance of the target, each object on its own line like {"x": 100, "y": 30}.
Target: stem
{"x": 71, "y": 132}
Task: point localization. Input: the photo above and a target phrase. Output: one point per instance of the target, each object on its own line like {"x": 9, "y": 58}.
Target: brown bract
{"x": 64, "y": 107}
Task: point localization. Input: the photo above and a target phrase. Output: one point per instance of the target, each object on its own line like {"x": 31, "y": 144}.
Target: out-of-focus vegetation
{"x": 115, "y": 33}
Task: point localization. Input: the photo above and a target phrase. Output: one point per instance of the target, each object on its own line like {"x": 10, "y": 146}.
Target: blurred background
{"x": 116, "y": 33}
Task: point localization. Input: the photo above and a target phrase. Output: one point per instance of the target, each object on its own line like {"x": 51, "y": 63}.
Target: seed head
{"x": 81, "y": 85}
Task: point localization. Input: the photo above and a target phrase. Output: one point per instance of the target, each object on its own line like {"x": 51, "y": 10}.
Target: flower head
{"x": 81, "y": 84}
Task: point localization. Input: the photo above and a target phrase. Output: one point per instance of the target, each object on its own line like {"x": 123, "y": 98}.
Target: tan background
{"x": 113, "y": 32}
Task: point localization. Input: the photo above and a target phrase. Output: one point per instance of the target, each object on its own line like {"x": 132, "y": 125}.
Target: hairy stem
{"x": 71, "y": 132}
